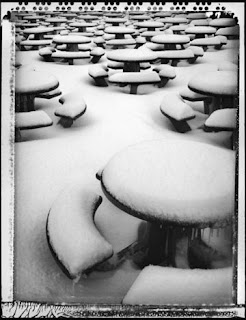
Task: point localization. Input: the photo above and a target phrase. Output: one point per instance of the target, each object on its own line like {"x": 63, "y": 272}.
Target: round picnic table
{"x": 115, "y": 21}
{"x": 119, "y": 32}
{"x": 150, "y": 25}
{"x": 222, "y": 86}
{"x": 131, "y": 58}
{"x": 28, "y": 84}
{"x": 179, "y": 187}
{"x": 72, "y": 42}
{"x": 171, "y": 40}
{"x": 38, "y": 32}
{"x": 82, "y": 26}
{"x": 201, "y": 31}
{"x": 56, "y": 21}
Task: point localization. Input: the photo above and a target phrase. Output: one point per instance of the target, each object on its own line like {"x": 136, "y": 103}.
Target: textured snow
{"x": 176, "y": 108}
{"x": 164, "y": 286}
{"x": 166, "y": 38}
{"x": 223, "y": 118}
{"x": 191, "y": 184}
{"x": 215, "y": 83}
{"x": 32, "y": 119}
{"x": 135, "y": 77}
{"x": 72, "y": 232}
{"x": 131, "y": 55}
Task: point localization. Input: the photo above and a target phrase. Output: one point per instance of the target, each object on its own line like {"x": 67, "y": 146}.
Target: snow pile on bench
{"x": 157, "y": 285}
{"x": 212, "y": 41}
{"x": 32, "y": 120}
{"x": 174, "y": 107}
{"x": 222, "y": 119}
{"x": 72, "y": 234}
{"x": 228, "y": 31}
{"x": 73, "y": 106}
{"x": 98, "y": 73}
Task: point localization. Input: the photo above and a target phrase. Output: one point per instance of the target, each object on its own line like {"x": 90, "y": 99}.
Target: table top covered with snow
{"x": 38, "y": 30}
{"x": 122, "y": 30}
{"x": 71, "y": 39}
{"x": 215, "y": 83}
{"x": 29, "y": 81}
{"x": 124, "y": 55}
{"x": 170, "y": 38}
{"x": 174, "y": 182}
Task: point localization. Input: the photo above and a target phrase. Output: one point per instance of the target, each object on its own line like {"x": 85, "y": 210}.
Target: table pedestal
{"x": 24, "y": 103}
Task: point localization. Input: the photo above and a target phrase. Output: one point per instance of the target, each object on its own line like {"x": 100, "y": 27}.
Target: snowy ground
{"x": 51, "y": 157}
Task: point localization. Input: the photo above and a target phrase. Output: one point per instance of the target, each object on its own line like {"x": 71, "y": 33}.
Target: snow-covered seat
{"x": 134, "y": 79}
{"x": 30, "y": 120}
{"x": 99, "y": 41}
{"x": 73, "y": 107}
{"x": 177, "y": 111}
{"x": 229, "y": 32}
{"x": 190, "y": 95}
{"x": 198, "y": 52}
{"x": 206, "y": 42}
{"x": 49, "y": 94}
{"x": 70, "y": 55}
{"x": 120, "y": 42}
{"x": 165, "y": 72}
{"x": 175, "y": 55}
{"x": 221, "y": 120}
{"x": 158, "y": 285}
{"x": 98, "y": 73}
{"x": 120, "y": 65}
{"x": 34, "y": 43}
{"x": 71, "y": 233}
{"x": 96, "y": 54}
{"x": 222, "y": 22}
{"x": 46, "y": 53}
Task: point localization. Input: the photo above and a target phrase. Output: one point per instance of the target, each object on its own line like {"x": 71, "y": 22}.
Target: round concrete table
{"x": 179, "y": 187}
{"x": 221, "y": 85}
{"x": 38, "y": 32}
{"x": 30, "y": 83}
{"x": 131, "y": 58}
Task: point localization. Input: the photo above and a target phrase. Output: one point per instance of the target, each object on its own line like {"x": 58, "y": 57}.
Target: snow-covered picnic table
{"x": 176, "y": 194}
{"x": 131, "y": 58}
{"x": 56, "y": 21}
{"x": 29, "y": 83}
{"x": 82, "y": 26}
{"x": 72, "y": 42}
{"x": 38, "y": 32}
{"x": 170, "y": 41}
{"x": 221, "y": 85}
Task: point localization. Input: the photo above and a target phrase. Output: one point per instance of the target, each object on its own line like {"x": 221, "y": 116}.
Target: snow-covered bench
{"x": 229, "y": 32}
{"x": 165, "y": 72}
{"x": 192, "y": 96}
{"x": 134, "y": 79}
{"x": 120, "y": 65}
{"x": 49, "y": 94}
{"x": 96, "y": 54}
{"x": 73, "y": 107}
{"x": 175, "y": 55}
{"x": 158, "y": 285}
{"x": 72, "y": 235}
{"x": 221, "y": 120}
{"x": 70, "y": 56}
{"x": 34, "y": 44}
{"x": 206, "y": 42}
{"x": 198, "y": 52}
{"x": 46, "y": 53}
{"x": 30, "y": 120}
{"x": 177, "y": 111}
{"x": 98, "y": 73}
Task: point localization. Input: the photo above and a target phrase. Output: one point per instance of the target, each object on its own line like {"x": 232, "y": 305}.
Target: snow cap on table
{"x": 157, "y": 285}
{"x": 201, "y": 30}
{"x": 175, "y": 54}
{"x": 131, "y": 55}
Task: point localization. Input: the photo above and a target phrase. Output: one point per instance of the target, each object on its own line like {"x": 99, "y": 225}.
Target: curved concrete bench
{"x": 30, "y": 120}
{"x": 192, "y": 96}
{"x": 175, "y": 55}
{"x": 72, "y": 236}
{"x": 134, "y": 79}
{"x": 166, "y": 73}
{"x": 206, "y": 42}
{"x": 34, "y": 43}
{"x": 177, "y": 111}
{"x": 70, "y": 56}
{"x": 73, "y": 107}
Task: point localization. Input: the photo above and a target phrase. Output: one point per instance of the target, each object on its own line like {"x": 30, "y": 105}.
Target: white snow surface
{"x": 190, "y": 183}
{"x": 32, "y": 119}
{"x": 50, "y": 158}
{"x": 72, "y": 233}
{"x": 223, "y": 118}
{"x": 170, "y": 286}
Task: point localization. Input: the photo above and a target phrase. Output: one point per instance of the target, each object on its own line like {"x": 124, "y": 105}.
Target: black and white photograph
{"x": 123, "y": 133}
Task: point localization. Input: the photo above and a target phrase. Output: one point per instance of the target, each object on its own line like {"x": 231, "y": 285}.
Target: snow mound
{"x": 115, "y": 42}
{"x": 72, "y": 233}
{"x": 223, "y": 118}
{"x": 32, "y": 120}
{"x": 71, "y": 39}
{"x": 170, "y": 286}
{"x": 150, "y": 24}
{"x": 199, "y": 22}
{"x": 173, "y": 106}
{"x": 197, "y": 51}
{"x": 190, "y": 95}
